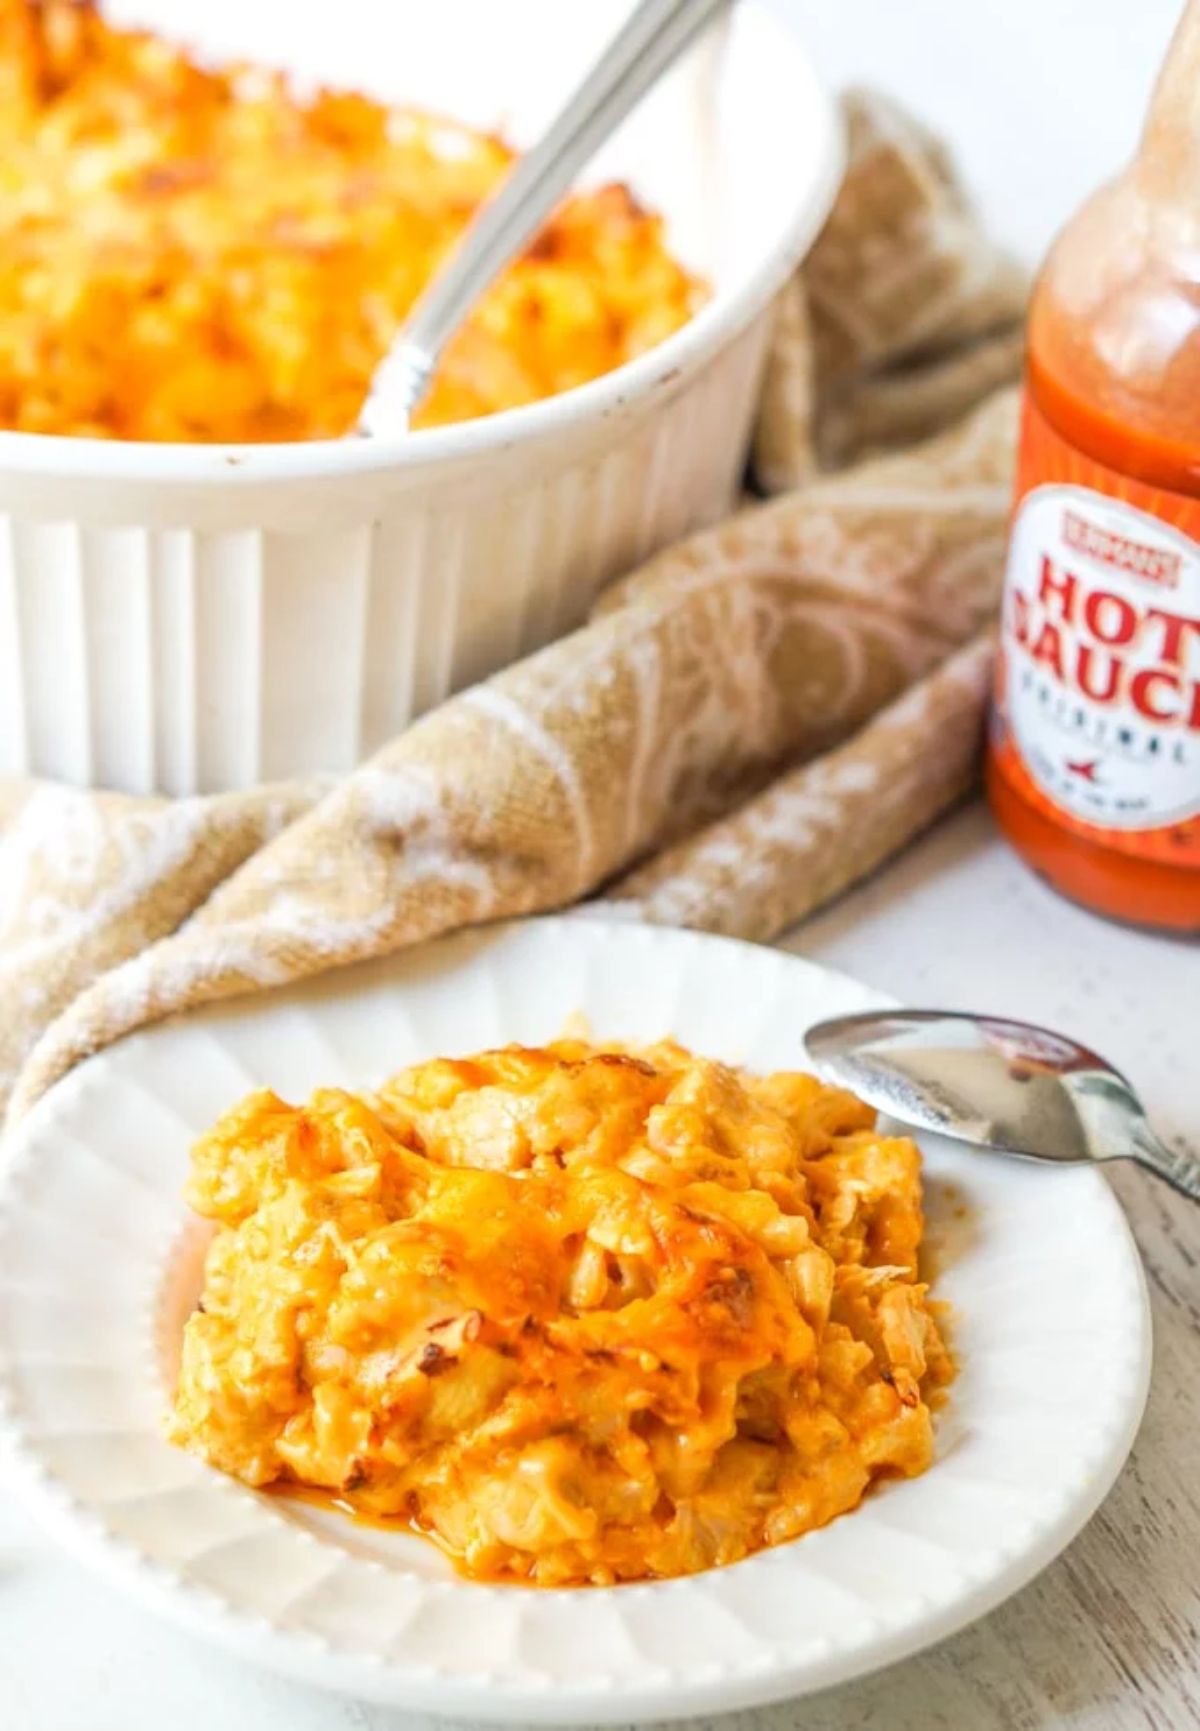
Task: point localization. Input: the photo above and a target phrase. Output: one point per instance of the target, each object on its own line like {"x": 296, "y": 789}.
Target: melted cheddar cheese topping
{"x": 580, "y": 1315}
{"x": 190, "y": 253}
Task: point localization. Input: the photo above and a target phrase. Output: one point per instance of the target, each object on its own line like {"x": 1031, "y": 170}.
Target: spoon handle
{"x": 653, "y": 37}
{"x": 1181, "y": 1171}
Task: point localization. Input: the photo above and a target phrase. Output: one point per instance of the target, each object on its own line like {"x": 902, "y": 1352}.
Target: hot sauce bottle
{"x": 1094, "y": 754}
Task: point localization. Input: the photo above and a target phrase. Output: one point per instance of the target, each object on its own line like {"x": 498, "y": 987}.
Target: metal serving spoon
{"x": 651, "y": 40}
{"x": 1001, "y": 1085}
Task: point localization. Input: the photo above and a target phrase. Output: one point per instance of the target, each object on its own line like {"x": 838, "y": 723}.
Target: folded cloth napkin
{"x": 903, "y": 317}
{"x": 747, "y": 724}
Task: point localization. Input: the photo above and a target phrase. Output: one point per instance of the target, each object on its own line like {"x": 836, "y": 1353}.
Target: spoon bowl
{"x": 1007, "y": 1086}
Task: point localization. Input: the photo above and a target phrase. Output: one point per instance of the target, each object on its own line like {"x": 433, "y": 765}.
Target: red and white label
{"x": 1096, "y": 725}
{"x": 1101, "y": 680}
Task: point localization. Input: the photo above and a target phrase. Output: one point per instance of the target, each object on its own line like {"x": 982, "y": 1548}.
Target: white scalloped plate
{"x": 98, "y": 1264}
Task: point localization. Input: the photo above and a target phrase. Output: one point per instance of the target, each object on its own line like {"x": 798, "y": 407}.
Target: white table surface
{"x": 1041, "y": 97}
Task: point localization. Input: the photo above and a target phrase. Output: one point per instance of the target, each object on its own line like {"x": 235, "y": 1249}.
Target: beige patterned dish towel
{"x": 748, "y": 724}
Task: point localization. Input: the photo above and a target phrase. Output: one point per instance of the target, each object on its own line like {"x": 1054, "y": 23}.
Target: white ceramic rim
{"x": 711, "y": 329}
{"x": 999, "y": 1573}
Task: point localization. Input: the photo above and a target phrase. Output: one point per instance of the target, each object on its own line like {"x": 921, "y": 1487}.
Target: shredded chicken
{"x": 579, "y": 1315}
{"x": 189, "y": 253}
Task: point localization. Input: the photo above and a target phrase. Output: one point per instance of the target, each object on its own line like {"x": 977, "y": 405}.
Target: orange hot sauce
{"x": 1094, "y": 755}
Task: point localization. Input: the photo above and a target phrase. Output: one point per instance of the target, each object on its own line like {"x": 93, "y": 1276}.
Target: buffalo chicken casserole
{"x": 196, "y": 253}
{"x": 578, "y": 1315}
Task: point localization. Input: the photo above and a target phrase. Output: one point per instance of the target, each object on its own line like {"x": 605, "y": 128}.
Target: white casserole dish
{"x": 187, "y": 618}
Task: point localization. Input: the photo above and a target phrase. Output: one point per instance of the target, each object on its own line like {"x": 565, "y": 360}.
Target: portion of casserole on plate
{"x": 198, "y": 254}
{"x": 579, "y": 1315}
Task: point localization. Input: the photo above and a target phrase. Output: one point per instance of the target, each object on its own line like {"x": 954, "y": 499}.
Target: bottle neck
{"x": 1168, "y": 162}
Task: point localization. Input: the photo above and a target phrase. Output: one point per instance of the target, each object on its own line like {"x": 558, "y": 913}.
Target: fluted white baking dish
{"x": 194, "y": 618}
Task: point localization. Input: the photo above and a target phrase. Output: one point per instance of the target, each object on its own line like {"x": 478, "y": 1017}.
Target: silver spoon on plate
{"x": 1006, "y": 1086}
{"x": 653, "y": 37}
